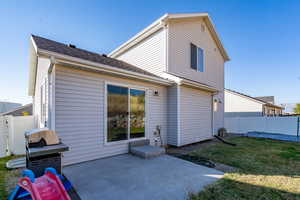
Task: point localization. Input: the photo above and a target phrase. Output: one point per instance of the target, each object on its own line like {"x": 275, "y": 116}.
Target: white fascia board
{"x": 210, "y": 25}
{"x": 181, "y": 81}
{"x": 69, "y": 60}
{"x": 186, "y": 15}
{"x": 171, "y": 77}
{"x": 32, "y": 67}
{"x": 161, "y": 22}
{"x": 216, "y": 37}
{"x": 152, "y": 28}
{"x": 199, "y": 86}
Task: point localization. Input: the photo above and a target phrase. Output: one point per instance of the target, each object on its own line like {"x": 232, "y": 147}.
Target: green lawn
{"x": 6, "y": 174}
{"x": 266, "y": 169}
{"x": 3, "y": 172}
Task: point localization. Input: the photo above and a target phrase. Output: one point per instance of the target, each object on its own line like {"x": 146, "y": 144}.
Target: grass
{"x": 266, "y": 169}
{"x": 4, "y": 175}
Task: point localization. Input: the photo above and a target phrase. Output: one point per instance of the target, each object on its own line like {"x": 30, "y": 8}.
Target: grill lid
{"x": 41, "y": 137}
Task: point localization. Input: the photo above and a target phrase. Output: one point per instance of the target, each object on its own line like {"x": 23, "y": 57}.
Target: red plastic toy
{"x": 46, "y": 187}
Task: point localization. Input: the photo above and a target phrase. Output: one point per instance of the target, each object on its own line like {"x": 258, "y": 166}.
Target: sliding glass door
{"x": 125, "y": 113}
{"x": 117, "y": 113}
{"x": 137, "y": 113}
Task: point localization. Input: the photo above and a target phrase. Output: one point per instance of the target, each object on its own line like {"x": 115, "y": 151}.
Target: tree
{"x": 297, "y": 108}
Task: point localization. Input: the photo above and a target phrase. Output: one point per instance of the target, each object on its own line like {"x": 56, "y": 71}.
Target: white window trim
{"x": 198, "y": 70}
{"x": 129, "y": 86}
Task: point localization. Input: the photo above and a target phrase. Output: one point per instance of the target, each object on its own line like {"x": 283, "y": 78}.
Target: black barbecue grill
{"x": 43, "y": 149}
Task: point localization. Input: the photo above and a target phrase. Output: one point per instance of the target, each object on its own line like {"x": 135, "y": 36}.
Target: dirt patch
{"x": 186, "y": 153}
{"x": 224, "y": 168}
{"x": 12, "y": 178}
{"x": 192, "y": 147}
{"x": 197, "y": 146}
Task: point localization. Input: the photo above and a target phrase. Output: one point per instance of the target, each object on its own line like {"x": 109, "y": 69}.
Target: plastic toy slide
{"x": 47, "y": 187}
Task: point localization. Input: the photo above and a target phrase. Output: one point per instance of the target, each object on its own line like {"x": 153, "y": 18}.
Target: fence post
{"x": 298, "y": 121}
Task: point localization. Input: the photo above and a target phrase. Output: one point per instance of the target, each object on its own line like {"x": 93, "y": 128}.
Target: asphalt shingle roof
{"x": 57, "y": 47}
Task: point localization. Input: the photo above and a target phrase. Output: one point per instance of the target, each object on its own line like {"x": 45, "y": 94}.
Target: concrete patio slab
{"x": 129, "y": 177}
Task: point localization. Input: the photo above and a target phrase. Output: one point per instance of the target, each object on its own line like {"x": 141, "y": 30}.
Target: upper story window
{"x": 197, "y": 58}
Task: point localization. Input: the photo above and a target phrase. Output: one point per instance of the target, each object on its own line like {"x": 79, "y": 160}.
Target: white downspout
{"x": 213, "y": 112}
{"x": 50, "y": 81}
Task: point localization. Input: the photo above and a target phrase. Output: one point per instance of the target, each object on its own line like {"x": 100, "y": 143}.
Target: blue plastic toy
{"x": 21, "y": 194}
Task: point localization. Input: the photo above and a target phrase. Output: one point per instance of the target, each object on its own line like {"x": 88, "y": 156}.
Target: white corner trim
{"x": 33, "y": 44}
{"x": 33, "y": 62}
{"x": 167, "y": 29}
{"x": 178, "y": 117}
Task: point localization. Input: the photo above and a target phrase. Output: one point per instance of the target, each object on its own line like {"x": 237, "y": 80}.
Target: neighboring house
{"x": 268, "y": 99}
{"x": 6, "y": 106}
{"x": 289, "y": 108}
{"x": 19, "y": 111}
{"x": 170, "y": 76}
{"x": 13, "y": 125}
{"x": 241, "y": 105}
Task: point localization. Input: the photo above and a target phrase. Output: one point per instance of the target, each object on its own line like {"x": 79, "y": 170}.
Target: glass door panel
{"x": 137, "y": 113}
{"x": 117, "y": 113}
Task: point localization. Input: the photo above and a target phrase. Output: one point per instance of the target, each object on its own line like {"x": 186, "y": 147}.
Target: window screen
{"x": 200, "y": 60}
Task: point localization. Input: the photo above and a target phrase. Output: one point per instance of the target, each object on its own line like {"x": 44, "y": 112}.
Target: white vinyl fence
{"x": 282, "y": 125}
{"x": 3, "y": 137}
{"x": 12, "y": 129}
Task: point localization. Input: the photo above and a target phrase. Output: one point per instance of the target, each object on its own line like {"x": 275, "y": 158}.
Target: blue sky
{"x": 261, "y": 37}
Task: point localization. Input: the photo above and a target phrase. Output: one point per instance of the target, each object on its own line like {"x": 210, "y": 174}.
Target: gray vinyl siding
{"x": 195, "y": 115}
{"x": 180, "y": 35}
{"x": 79, "y": 113}
{"x": 172, "y": 116}
{"x": 149, "y": 54}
